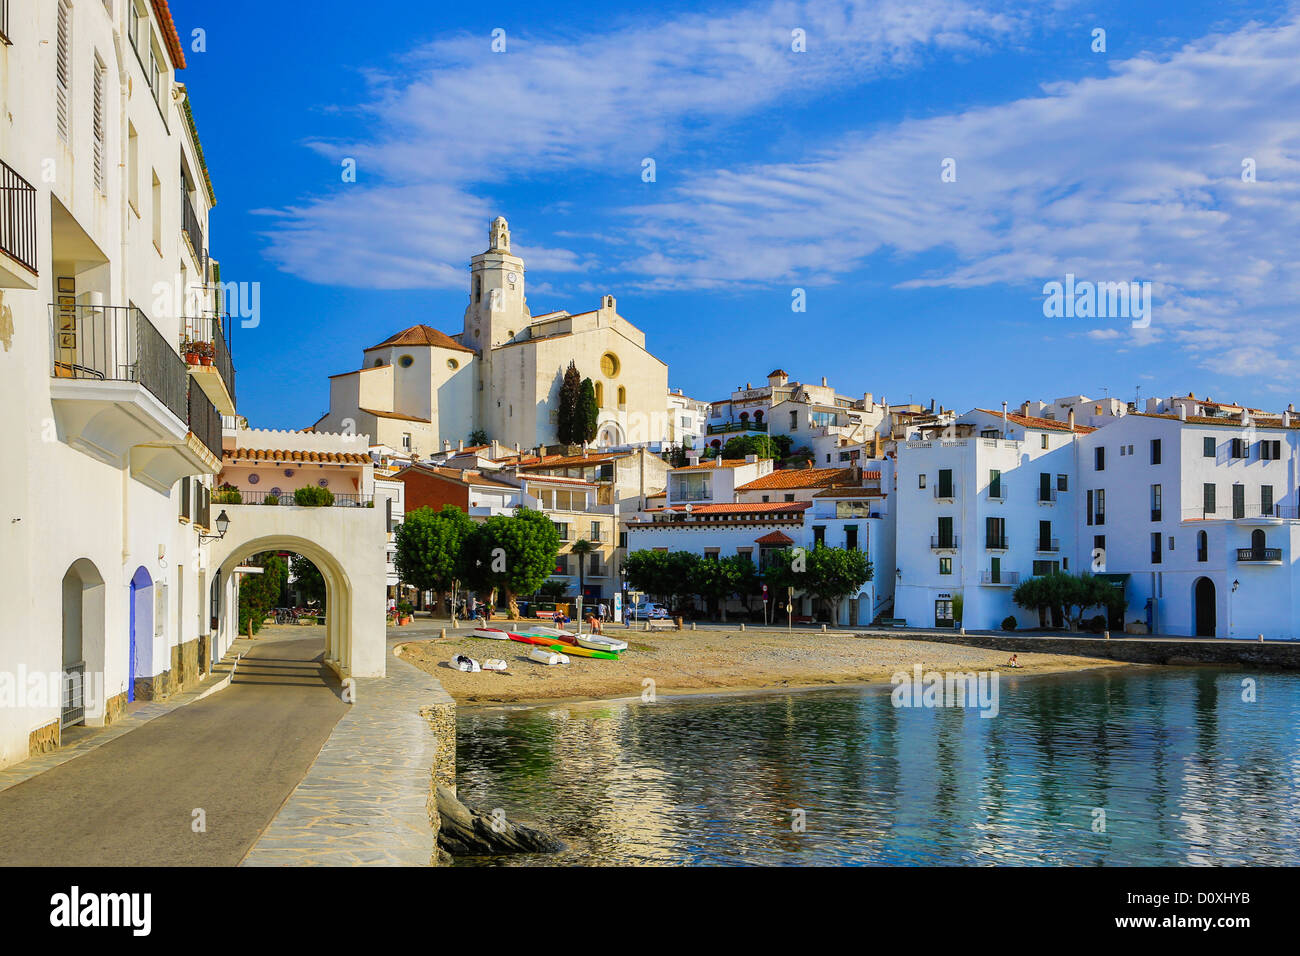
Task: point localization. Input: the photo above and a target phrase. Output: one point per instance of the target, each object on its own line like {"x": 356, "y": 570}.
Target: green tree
{"x": 259, "y": 593}
{"x": 647, "y": 571}
{"x": 835, "y": 573}
{"x": 568, "y": 428}
{"x": 478, "y": 437}
{"x": 678, "y": 455}
{"x": 739, "y": 446}
{"x": 308, "y": 579}
{"x": 588, "y": 411}
{"x": 430, "y": 550}
{"x": 513, "y": 554}
{"x": 718, "y": 579}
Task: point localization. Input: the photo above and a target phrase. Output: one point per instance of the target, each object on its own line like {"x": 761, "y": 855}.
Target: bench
{"x": 660, "y": 623}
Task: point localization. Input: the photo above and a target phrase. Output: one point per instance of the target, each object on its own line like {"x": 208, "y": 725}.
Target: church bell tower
{"x": 497, "y": 310}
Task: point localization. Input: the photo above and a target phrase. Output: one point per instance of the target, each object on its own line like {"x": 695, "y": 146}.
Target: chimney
{"x": 446, "y": 444}
{"x": 866, "y": 400}
{"x": 1070, "y": 419}
{"x": 516, "y": 450}
{"x": 1024, "y": 409}
{"x": 1004, "y": 420}
{"x": 464, "y": 475}
{"x": 932, "y": 407}
{"x": 692, "y": 460}
{"x": 823, "y": 381}
{"x": 460, "y": 445}
{"x": 1182, "y": 412}
{"x": 1286, "y": 417}
{"x": 494, "y": 450}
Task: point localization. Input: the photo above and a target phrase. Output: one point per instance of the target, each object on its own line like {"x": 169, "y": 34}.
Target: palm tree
{"x": 582, "y": 547}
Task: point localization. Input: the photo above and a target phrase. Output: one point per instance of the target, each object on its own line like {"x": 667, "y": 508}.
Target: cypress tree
{"x": 588, "y": 412}
{"x": 568, "y": 430}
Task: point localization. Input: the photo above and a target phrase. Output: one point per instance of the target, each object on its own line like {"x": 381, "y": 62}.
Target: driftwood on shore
{"x": 466, "y": 832}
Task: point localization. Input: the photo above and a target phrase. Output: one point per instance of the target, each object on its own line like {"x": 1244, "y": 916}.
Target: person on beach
{"x": 1014, "y": 662}
{"x": 593, "y": 622}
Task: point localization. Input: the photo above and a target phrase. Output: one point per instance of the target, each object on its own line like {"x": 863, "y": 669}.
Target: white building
{"x": 981, "y": 505}
{"x": 112, "y": 438}
{"x": 688, "y": 420}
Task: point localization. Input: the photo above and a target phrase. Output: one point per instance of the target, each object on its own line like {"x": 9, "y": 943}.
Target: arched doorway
{"x": 141, "y": 616}
{"x": 83, "y": 641}
{"x": 1204, "y": 607}
{"x": 610, "y": 434}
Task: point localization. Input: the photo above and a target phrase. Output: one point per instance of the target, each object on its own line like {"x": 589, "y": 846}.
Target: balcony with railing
{"x": 744, "y": 426}
{"x": 1268, "y": 511}
{"x": 942, "y": 493}
{"x": 1259, "y": 555}
{"x": 996, "y": 542}
{"x": 1000, "y": 579}
{"x": 192, "y": 228}
{"x": 120, "y": 394}
{"x": 945, "y": 542}
{"x": 1046, "y": 496}
{"x": 286, "y": 499}
{"x": 205, "y": 344}
{"x": 1048, "y": 545}
{"x": 17, "y": 231}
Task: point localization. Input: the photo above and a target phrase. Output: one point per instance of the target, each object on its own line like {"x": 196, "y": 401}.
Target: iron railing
{"x": 1007, "y": 578}
{"x": 945, "y": 542}
{"x": 1048, "y": 545}
{"x": 1259, "y": 554}
{"x": 940, "y": 492}
{"x": 747, "y": 426}
{"x": 285, "y": 499}
{"x": 204, "y": 420}
{"x": 117, "y": 344}
{"x": 996, "y": 542}
{"x": 193, "y": 230}
{"x": 17, "y": 217}
{"x": 1247, "y": 512}
{"x": 1046, "y": 494}
{"x": 213, "y": 330}
{"x": 73, "y": 705}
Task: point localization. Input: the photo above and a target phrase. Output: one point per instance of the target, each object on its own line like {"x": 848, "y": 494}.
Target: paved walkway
{"x": 130, "y": 796}
{"x": 364, "y": 801}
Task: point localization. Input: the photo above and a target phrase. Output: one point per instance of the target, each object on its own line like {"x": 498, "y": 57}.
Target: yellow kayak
{"x": 574, "y": 651}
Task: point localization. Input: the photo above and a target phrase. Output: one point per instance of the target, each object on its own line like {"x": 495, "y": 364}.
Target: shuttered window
{"x": 98, "y": 127}
{"x": 63, "y": 69}
{"x": 185, "y": 499}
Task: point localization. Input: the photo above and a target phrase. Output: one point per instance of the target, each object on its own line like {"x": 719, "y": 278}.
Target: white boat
{"x": 494, "y": 664}
{"x": 543, "y": 629}
{"x": 599, "y": 642}
{"x": 492, "y": 633}
{"x": 543, "y": 656}
{"x": 467, "y": 664}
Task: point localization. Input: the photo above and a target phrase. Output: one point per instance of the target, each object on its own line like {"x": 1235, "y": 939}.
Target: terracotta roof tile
{"x": 774, "y": 537}
{"x": 168, "y": 26}
{"x": 421, "y": 335}
{"x": 800, "y": 478}
{"x": 1042, "y": 424}
{"x": 471, "y": 478}
{"x": 396, "y": 415}
{"x": 717, "y": 463}
{"x": 279, "y": 455}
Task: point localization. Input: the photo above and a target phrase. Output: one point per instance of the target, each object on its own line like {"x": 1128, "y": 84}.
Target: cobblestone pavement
{"x": 364, "y": 800}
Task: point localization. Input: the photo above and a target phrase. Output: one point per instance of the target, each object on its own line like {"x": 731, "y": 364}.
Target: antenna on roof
{"x": 1105, "y": 391}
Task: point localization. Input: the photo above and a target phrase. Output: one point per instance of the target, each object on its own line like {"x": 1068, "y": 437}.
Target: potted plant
{"x": 271, "y": 499}
{"x": 958, "y": 605}
{"x": 405, "y": 612}
{"x": 206, "y": 353}
{"x": 227, "y": 494}
{"x": 190, "y": 349}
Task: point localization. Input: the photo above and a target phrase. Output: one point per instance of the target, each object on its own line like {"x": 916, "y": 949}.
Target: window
{"x": 1045, "y": 536}
{"x": 945, "y": 483}
{"x": 1270, "y": 450}
{"x": 609, "y": 364}
{"x": 686, "y": 421}
{"x": 692, "y": 486}
{"x": 157, "y": 211}
{"x": 406, "y": 361}
{"x": 561, "y": 564}
{"x": 1239, "y": 501}
{"x": 133, "y": 168}
{"x": 1045, "y": 487}
{"x": 1099, "y": 459}
{"x": 1240, "y": 448}
{"x": 595, "y": 531}
{"x": 622, "y": 396}
{"x": 711, "y": 554}
{"x": 406, "y": 441}
{"x": 819, "y": 535}
{"x": 794, "y": 421}
{"x": 1062, "y": 482}
{"x": 766, "y": 498}
{"x": 1266, "y": 500}
{"x": 945, "y": 535}
{"x": 1202, "y": 546}
{"x": 1044, "y": 439}
{"x": 453, "y": 364}
{"x": 1155, "y": 502}
{"x": 851, "y": 537}
{"x": 1207, "y": 447}
{"x": 1155, "y": 547}
{"x": 995, "y": 534}
{"x": 853, "y": 509}
{"x": 995, "y": 570}
{"x": 563, "y": 528}
{"x": 1090, "y": 494}
{"x": 788, "y": 496}
{"x": 622, "y": 539}
{"x": 920, "y": 480}
{"x": 1046, "y": 567}
{"x": 1101, "y": 506}
{"x": 98, "y": 127}
{"x": 600, "y": 394}
{"x": 1207, "y": 498}
{"x": 945, "y": 565}
{"x": 995, "y": 483}
{"x": 1155, "y": 451}
{"x": 63, "y": 70}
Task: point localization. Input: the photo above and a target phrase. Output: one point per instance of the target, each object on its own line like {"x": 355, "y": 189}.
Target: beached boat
{"x": 545, "y": 656}
{"x": 492, "y": 633}
{"x": 463, "y": 662}
{"x": 585, "y": 652}
{"x": 544, "y": 640}
{"x": 599, "y": 642}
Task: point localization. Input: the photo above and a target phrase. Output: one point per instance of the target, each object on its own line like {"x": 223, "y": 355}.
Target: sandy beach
{"x": 708, "y": 661}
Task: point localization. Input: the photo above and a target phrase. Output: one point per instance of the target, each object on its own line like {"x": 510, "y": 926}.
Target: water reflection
{"x": 1185, "y": 771}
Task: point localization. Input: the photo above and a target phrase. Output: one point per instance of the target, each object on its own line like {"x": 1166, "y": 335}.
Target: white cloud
{"x": 455, "y": 120}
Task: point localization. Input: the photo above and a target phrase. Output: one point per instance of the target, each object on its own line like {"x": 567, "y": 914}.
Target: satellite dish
{"x": 689, "y": 507}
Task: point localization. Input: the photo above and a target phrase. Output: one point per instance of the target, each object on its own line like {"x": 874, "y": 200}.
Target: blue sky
{"x": 775, "y": 170}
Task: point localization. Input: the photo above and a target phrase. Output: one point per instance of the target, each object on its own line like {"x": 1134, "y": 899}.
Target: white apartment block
{"x": 688, "y": 420}
{"x": 112, "y": 435}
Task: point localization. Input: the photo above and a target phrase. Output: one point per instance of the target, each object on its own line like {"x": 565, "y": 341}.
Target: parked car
{"x": 649, "y": 611}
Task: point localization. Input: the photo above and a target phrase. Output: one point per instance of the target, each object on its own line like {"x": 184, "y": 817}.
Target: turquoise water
{"x": 1186, "y": 772}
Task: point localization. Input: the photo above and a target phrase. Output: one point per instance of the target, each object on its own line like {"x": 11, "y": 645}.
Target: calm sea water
{"x": 1185, "y": 771}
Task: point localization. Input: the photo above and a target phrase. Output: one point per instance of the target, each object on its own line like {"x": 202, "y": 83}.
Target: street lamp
{"x": 223, "y": 524}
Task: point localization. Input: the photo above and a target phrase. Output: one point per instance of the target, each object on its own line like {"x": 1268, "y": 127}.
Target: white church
{"x": 420, "y": 389}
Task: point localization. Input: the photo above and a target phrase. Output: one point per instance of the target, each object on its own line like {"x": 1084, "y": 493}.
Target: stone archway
{"x": 347, "y": 545}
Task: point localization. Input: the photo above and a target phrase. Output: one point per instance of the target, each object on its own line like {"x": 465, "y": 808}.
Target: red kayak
{"x": 532, "y": 639}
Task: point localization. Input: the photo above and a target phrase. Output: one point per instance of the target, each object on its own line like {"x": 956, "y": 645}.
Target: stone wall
{"x": 182, "y": 675}
{"x": 115, "y": 708}
{"x": 442, "y": 722}
{"x": 1133, "y": 650}
{"x": 42, "y": 740}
